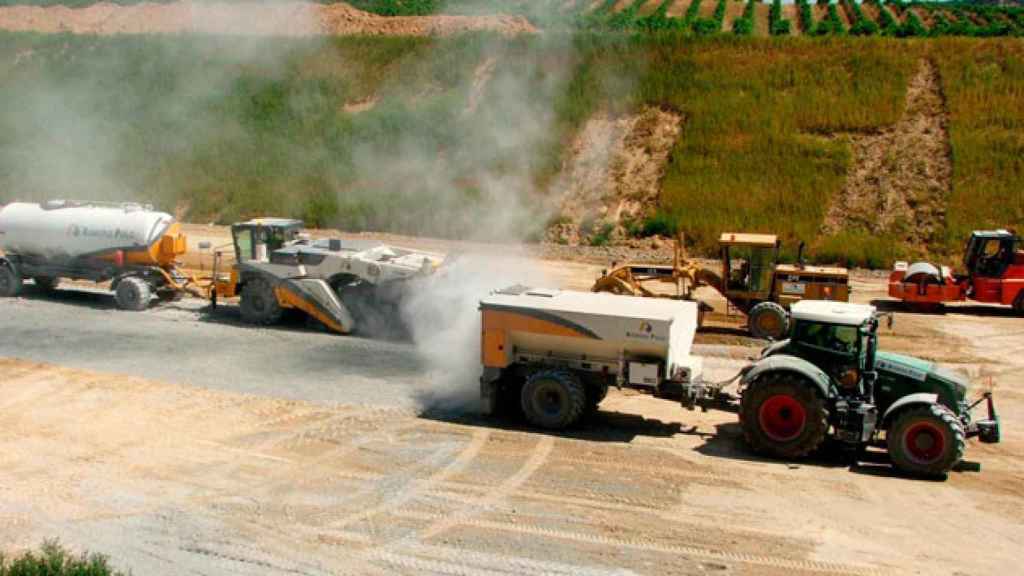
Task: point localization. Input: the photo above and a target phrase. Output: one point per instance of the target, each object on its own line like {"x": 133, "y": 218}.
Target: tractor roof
{"x": 272, "y": 222}
{"x": 831, "y": 312}
{"x": 992, "y": 233}
{"x": 744, "y": 239}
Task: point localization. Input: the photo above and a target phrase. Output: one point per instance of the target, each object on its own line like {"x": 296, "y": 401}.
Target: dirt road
{"x": 180, "y": 445}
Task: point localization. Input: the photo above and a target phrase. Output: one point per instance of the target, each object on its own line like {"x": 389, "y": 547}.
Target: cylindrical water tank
{"x": 60, "y": 231}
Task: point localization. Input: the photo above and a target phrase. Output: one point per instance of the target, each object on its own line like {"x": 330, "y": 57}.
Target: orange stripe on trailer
{"x": 497, "y": 324}
{"x": 289, "y": 299}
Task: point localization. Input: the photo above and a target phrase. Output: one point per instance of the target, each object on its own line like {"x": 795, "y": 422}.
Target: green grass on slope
{"x": 984, "y": 87}
{"x": 53, "y": 560}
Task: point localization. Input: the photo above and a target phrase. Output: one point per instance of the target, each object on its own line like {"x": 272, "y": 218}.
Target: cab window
{"x": 842, "y": 339}
{"x": 243, "y": 239}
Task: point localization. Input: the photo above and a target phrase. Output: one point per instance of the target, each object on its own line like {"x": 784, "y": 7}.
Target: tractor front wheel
{"x": 553, "y": 399}
{"x": 926, "y": 441}
{"x": 768, "y": 321}
{"x": 783, "y": 416}
{"x": 10, "y": 281}
{"x": 46, "y": 283}
{"x": 259, "y": 304}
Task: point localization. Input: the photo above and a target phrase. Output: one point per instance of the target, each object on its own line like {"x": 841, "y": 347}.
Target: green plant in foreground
{"x": 53, "y": 560}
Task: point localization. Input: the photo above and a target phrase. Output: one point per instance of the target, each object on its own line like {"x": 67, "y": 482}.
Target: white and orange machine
{"x": 554, "y": 353}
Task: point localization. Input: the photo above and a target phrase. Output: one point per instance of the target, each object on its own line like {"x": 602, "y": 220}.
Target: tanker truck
{"x": 129, "y": 244}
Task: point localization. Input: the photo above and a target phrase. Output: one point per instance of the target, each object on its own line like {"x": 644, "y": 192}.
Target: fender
{"x": 786, "y": 363}
{"x": 918, "y": 398}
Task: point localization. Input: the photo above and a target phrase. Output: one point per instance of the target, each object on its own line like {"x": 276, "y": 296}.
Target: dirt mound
{"x": 613, "y": 173}
{"x": 270, "y": 19}
{"x": 900, "y": 178}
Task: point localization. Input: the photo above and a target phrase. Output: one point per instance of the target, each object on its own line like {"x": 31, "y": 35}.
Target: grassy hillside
{"x": 465, "y": 136}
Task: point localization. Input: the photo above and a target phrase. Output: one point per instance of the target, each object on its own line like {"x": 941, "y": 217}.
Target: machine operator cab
{"x": 749, "y": 262}
{"x": 256, "y": 239}
{"x": 837, "y": 335}
{"x": 990, "y": 252}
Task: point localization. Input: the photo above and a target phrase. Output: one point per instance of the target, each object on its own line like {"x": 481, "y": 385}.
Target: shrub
{"x": 660, "y": 224}
{"x": 53, "y": 560}
{"x": 744, "y": 25}
{"x": 778, "y": 26}
{"x": 691, "y": 12}
{"x": 806, "y": 17}
{"x": 658, "y": 20}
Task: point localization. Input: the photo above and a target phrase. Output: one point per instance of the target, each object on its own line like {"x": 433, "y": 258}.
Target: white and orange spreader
{"x": 556, "y": 352}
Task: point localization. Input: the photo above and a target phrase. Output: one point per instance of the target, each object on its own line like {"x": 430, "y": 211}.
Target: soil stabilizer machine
{"x": 751, "y": 279}
{"x": 553, "y": 354}
{"x": 131, "y": 245}
{"x": 342, "y": 284}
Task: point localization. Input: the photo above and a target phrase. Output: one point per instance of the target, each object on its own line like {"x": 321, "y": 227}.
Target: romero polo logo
{"x": 645, "y": 332}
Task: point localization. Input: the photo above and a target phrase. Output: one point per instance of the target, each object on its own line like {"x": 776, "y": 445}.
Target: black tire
{"x": 10, "y": 281}
{"x": 1018, "y": 303}
{"x": 768, "y": 321}
{"x": 259, "y": 304}
{"x": 553, "y": 399}
{"x": 133, "y": 294}
{"x": 783, "y": 416}
{"x": 926, "y": 441}
{"x": 46, "y": 283}
{"x": 169, "y": 295}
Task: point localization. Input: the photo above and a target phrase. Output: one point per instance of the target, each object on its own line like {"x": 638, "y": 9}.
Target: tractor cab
{"x": 838, "y": 337}
{"x": 748, "y": 265}
{"x": 256, "y": 239}
{"x": 989, "y": 253}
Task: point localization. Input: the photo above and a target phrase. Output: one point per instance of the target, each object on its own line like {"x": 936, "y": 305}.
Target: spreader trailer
{"x": 554, "y": 353}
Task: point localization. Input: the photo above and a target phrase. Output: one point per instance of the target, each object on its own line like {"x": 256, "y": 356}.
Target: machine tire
{"x": 46, "y": 283}
{"x": 1018, "y": 303}
{"x": 926, "y": 441}
{"x": 10, "y": 281}
{"x": 783, "y": 416}
{"x": 553, "y": 399}
{"x": 259, "y": 304}
{"x": 768, "y": 321}
{"x": 133, "y": 294}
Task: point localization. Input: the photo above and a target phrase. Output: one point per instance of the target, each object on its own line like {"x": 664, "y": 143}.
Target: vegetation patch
{"x": 53, "y": 560}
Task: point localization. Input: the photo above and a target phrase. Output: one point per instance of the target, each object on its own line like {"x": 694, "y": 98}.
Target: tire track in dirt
{"x": 900, "y": 178}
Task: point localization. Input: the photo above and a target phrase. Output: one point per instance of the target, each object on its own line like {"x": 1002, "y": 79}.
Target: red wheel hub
{"x": 782, "y": 417}
{"x": 924, "y": 442}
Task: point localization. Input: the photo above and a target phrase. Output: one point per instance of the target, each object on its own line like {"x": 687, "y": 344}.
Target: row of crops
{"x": 894, "y": 18}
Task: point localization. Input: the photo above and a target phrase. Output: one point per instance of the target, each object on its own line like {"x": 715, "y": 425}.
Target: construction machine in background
{"x": 751, "y": 279}
{"x": 994, "y": 265}
{"x": 342, "y": 284}
{"x": 553, "y": 354}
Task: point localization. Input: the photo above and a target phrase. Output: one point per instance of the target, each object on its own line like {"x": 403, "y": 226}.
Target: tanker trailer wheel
{"x": 10, "y": 281}
{"x": 259, "y": 304}
{"x": 926, "y": 441}
{"x": 768, "y": 321}
{"x": 553, "y": 399}
{"x": 46, "y": 283}
{"x": 596, "y": 392}
{"x": 133, "y": 294}
{"x": 783, "y": 416}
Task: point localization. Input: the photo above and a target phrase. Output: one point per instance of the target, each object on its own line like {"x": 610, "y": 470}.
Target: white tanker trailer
{"x": 130, "y": 245}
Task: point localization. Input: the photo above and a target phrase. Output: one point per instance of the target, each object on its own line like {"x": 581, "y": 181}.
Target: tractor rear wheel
{"x": 926, "y": 441}
{"x": 46, "y": 283}
{"x": 259, "y": 304}
{"x": 1018, "y": 303}
{"x": 133, "y": 294}
{"x": 768, "y": 321}
{"x": 553, "y": 399}
{"x": 783, "y": 416}
{"x": 10, "y": 281}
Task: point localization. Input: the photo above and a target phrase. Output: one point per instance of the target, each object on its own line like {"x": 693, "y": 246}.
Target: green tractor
{"x": 828, "y": 379}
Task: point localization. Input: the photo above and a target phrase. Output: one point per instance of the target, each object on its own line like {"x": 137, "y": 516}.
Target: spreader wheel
{"x": 783, "y": 416}
{"x": 926, "y": 440}
{"x": 553, "y": 399}
{"x": 133, "y": 294}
